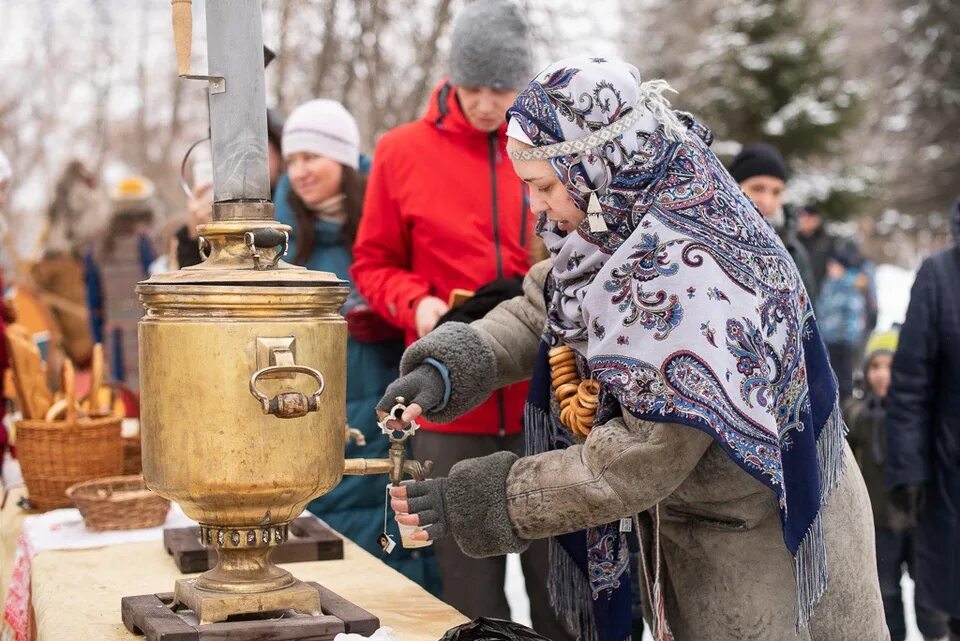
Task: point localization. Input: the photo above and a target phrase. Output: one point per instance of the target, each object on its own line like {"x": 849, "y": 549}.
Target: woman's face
{"x": 547, "y": 194}
{"x": 314, "y": 178}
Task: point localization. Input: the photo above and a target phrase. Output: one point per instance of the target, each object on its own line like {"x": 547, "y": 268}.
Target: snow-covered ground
{"x": 893, "y": 294}
{"x": 517, "y": 594}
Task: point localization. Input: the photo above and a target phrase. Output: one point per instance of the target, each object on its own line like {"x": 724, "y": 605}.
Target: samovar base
{"x": 214, "y": 606}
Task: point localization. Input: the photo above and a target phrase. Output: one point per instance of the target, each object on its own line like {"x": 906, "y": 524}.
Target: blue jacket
{"x": 841, "y": 310}
{"x": 355, "y": 507}
{"x": 923, "y": 426}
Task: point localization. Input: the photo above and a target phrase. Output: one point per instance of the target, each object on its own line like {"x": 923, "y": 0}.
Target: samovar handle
{"x": 288, "y": 404}
{"x": 264, "y": 239}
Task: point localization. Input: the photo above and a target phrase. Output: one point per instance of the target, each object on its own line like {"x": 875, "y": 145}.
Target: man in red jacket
{"x": 443, "y": 211}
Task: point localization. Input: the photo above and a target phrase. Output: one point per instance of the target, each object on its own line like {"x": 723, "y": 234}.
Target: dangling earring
{"x": 595, "y": 214}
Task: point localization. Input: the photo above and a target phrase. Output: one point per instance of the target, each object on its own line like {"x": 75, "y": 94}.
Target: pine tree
{"x": 761, "y": 71}
{"x": 926, "y": 83}
{"x": 766, "y": 74}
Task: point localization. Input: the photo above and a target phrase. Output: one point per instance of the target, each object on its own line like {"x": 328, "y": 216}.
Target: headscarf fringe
{"x": 810, "y": 561}
{"x": 651, "y": 97}
{"x": 571, "y": 597}
{"x": 536, "y": 430}
{"x": 570, "y": 594}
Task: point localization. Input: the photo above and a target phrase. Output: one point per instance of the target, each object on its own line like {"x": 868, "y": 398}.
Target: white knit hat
{"x": 323, "y": 127}
{"x": 6, "y": 171}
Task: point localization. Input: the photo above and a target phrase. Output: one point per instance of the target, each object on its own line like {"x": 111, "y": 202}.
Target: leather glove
{"x": 908, "y": 500}
{"x": 423, "y": 386}
{"x": 426, "y": 500}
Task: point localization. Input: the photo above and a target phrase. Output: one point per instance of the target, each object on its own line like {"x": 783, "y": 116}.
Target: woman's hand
{"x": 428, "y": 312}
{"x": 421, "y": 504}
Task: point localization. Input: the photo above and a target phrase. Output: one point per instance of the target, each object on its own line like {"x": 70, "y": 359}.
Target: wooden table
{"x": 76, "y": 593}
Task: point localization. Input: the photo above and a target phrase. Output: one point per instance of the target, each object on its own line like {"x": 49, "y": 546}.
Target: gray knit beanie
{"x": 490, "y": 47}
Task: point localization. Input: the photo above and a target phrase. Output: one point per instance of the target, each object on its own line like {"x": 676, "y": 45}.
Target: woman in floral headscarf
{"x": 716, "y": 420}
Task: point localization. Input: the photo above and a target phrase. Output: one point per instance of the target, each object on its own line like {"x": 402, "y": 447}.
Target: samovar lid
{"x": 283, "y": 275}
{"x": 242, "y": 253}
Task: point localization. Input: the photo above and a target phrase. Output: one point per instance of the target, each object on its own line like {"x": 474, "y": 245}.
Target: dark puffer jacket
{"x": 866, "y": 419}
{"x": 791, "y": 240}
{"x": 924, "y": 408}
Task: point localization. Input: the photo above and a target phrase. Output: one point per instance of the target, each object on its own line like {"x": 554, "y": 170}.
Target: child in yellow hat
{"x": 866, "y": 420}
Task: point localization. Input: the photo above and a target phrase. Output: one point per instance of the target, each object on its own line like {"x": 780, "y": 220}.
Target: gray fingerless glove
{"x": 470, "y": 504}
{"x": 470, "y": 362}
{"x": 424, "y": 386}
{"x": 426, "y": 500}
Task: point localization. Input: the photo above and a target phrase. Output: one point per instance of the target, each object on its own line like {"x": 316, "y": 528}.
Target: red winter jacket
{"x": 443, "y": 210}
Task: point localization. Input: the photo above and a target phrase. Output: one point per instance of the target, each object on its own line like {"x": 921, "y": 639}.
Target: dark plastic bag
{"x": 484, "y": 629}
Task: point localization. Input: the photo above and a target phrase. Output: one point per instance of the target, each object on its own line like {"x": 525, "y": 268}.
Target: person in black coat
{"x": 813, "y": 235}
{"x": 923, "y": 433}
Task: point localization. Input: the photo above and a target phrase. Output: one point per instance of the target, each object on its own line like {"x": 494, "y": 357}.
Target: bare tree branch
{"x": 329, "y": 48}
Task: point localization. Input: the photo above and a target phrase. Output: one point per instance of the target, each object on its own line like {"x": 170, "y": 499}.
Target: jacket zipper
{"x": 492, "y": 149}
{"x": 492, "y": 146}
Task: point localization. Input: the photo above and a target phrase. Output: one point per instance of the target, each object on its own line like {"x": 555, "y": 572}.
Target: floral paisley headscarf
{"x": 687, "y": 308}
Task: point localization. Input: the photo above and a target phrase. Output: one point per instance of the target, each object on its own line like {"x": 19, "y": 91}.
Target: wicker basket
{"x": 57, "y": 454}
{"x": 119, "y": 503}
{"x": 132, "y": 463}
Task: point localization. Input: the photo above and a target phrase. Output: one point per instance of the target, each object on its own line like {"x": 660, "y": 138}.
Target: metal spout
{"x": 397, "y": 466}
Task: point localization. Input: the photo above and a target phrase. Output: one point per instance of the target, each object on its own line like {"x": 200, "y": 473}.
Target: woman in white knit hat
{"x": 321, "y": 198}
{"x": 321, "y": 148}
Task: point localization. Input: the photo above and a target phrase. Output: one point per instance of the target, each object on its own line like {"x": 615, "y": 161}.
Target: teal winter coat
{"x": 355, "y": 507}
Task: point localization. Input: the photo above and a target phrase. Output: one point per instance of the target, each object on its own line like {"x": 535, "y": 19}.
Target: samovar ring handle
{"x": 288, "y": 404}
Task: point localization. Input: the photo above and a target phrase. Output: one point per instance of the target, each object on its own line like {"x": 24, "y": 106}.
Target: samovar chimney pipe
{"x": 237, "y": 96}
{"x": 238, "y": 114}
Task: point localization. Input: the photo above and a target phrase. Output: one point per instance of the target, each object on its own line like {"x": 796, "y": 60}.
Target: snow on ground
{"x": 893, "y": 294}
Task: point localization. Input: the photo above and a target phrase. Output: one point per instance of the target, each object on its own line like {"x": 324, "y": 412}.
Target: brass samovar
{"x": 243, "y": 357}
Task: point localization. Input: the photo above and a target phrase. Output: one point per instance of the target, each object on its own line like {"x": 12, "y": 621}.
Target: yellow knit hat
{"x": 882, "y": 342}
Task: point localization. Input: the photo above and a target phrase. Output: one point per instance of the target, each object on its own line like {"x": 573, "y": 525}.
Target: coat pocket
{"x": 705, "y": 519}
